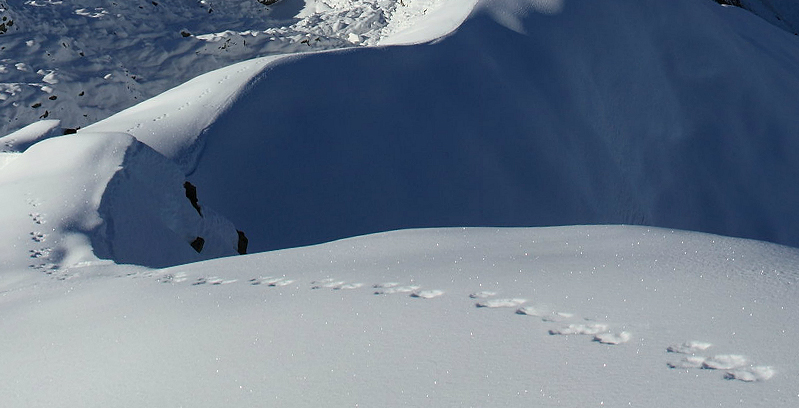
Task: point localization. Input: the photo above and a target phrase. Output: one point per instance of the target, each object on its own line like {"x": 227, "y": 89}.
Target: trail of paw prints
{"x": 37, "y": 218}
{"x": 270, "y": 281}
{"x": 736, "y": 366}
{"x": 427, "y": 294}
{"x": 174, "y": 278}
{"x": 414, "y": 291}
{"x": 41, "y": 253}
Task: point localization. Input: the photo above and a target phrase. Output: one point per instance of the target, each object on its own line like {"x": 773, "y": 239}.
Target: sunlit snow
{"x": 393, "y": 169}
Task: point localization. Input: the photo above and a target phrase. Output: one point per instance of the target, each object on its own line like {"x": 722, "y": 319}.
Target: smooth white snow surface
{"x": 655, "y": 318}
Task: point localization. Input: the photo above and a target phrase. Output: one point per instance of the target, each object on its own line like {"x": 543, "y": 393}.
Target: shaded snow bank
{"x": 83, "y": 62}
{"x": 69, "y": 200}
{"x": 782, "y": 13}
{"x": 683, "y": 116}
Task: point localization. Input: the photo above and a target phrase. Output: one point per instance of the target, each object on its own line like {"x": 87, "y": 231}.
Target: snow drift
{"x": 72, "y": 199}
{"x": 531, "y": 113}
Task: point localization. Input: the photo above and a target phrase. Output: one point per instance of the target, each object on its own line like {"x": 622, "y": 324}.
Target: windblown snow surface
{"x": 532, "y": 113}
{"x": 680, "y": 114}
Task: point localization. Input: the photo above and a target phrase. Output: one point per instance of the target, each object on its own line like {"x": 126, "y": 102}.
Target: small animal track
{"x": 495, "y": 303}
{"x": 427, "y": 294}
{"x": 613, "y": 338}
{"x": 581, "y": 329}
{"x": 176, "y": 278}
{"x": 213, "y": 280}
{"x": 758, "y": 373}
{"x": 37, "y": 218}
{"x": 40, "y": 253}
{"x": 271, "y": 281}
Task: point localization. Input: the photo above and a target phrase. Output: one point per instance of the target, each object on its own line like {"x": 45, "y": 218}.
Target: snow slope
{"x": 531, "y": 113}
{"x": 70, "y": 200}
{"x": 781, "y": 13}
{"x": 577, "y": 316}
{"x": 81, "y": 62}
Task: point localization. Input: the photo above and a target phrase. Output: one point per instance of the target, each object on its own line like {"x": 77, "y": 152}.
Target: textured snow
{"x": 82, "y": 62}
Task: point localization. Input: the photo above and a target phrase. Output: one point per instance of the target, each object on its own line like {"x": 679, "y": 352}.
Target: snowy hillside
{"x": 119, "y": 280}
{"x": 684, "y": 116}
{"x": 81, "y": 62}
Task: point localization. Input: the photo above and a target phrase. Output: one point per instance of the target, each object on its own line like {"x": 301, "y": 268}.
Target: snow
{"x": 555, "y": 118}
{"x": 108, "y": 55}
{"x": 127, "y": 336}
{"x": 346, "y": 154}
{"x": 782, "y": 13}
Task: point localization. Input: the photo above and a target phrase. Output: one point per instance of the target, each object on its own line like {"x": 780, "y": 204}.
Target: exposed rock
{"x": 198, "y": 244}
{"x": 191, "y": 194}
{"x": 243, "y": 241}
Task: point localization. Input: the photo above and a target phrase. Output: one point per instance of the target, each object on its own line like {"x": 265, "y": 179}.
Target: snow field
{"x": 83, "y": 63}
{"x": 220, "y": 331}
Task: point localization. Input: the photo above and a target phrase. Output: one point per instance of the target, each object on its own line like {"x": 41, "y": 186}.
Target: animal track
{"x": 40, "y": 253}
{"x": 176, "y": 278}
{"x": 213, "y": 280}
{"x": 427, "y": 294}
{"x": 613, "y": 338}
{"x": 38, "y": 236}
{"x": 580, "y": 329}
{"x": 494, "y": 303}
{"x": 759, "y": 373}
{"x": 37, "y": 218}
{"x": 270, "y": 281}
